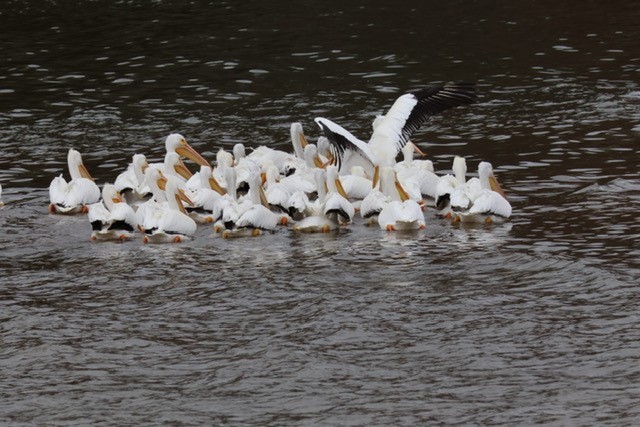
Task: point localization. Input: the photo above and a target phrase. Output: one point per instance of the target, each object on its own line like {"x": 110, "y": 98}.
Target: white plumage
{"x": 336, "y": 204}
{"x": 112, "y": 218}
{"x": 447, "y": 184}
{"x": 400, "y": 212}
{"x": 207, "y": 198}
{"x": 315, "y": 220}
{"x": 253, "y": 214}
{"x": 131, "y": 183}
{"x": 172, "y": 224}
{"x": 393, "y": 130}
{"x": 421, "y": 171}
{"x": 74, "y": 196}
{"x": 486, "y": 201}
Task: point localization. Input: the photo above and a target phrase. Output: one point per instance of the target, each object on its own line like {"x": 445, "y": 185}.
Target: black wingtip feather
{"x": 433, "y": 100}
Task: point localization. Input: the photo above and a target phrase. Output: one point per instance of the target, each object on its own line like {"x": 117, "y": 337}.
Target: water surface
{"x": 532, "y": 321}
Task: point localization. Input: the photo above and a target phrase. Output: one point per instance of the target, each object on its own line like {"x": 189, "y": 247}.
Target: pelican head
{"x": 324, "y": 146}
{"x": 239, "y": 152}
{"x": 175, "y": 195}
{"x": 390, "y": 186}
{"x": 460, "y": 169}
{"x": 76, "y": 167}
{"x": 298, "y": 139}
{"x": 311, "y": 156}
{"x": 488, "y": 179}
{"x": 333, "y": 181}
{"x": 140, "y": 164}
{"x": 173, "y": 165}
{"x": 111, "y": 196}
{"x": 407, "y": 151}
{"x": 320, "y": 179}
{"x": 176, "y": 143}
{"x": 224, "y": 160}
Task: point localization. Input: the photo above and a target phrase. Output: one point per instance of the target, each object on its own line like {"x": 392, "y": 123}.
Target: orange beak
{"x": 185, "y": 150}
{"x": 495, "y": 186}
{"x": 84, "y": 172}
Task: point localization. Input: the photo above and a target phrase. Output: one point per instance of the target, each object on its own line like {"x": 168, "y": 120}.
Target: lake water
{"x": 531, "y": 322}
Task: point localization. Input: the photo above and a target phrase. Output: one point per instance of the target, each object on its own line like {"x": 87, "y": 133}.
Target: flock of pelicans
{"x": 317, "y": 188}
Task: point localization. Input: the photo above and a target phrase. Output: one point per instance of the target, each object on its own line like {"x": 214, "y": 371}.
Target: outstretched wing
{"x": 343, "y": 144}
{"x": 413, "y": 109}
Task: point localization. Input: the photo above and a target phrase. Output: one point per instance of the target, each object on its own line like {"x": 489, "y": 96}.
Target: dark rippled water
{"x": 531, "y": 322}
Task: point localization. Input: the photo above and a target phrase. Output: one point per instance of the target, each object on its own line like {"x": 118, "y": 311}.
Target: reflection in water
{"x": 529, "y": 321}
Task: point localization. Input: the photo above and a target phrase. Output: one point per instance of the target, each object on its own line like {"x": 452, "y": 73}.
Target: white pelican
{"x": 245, "y": 168}
{"x": 315, "y": 221}
{"x": 336, "y": 204}
{"x": 149, "y": 213}
{"x": 257, "y": 217}
{"x": 373, "y": 203}
{"x": 278, "y": 190}
{"x": 74, "y": 196}
{"x": 131, "y": 183}
{"x": 207, "y": 198}
{"x": 176, "y": 143}
{"x": 421, "y": 171}
{"x": 392, "y": 132}
{"x": 232, "y": 207}
{"x": 487, "y": 201}
{"x": 299, "y": 205}
{"x": 400, "y": 212}
{"x": 447, "y": 185}
{"x": 111, "y": 219}
{"x": 356, "y": 184}
{"x": 224, "y": 161}
{"x": 173, "y": 225}
{"x": 277, "y": 193}
{"x": 264, "y": 155}
{"x": 298, "y": 139}
{"x": 174, "y": 166}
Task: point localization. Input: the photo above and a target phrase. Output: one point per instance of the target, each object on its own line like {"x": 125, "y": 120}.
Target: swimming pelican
{"x": 421, "y": 171}
{"x": 173, "y": 224}
{"x": 447, "y": 185}
{"x": 176, "y": 143}
{"x": 257, "y": 217}
{"x": 111, "y": 219}
{"x": 356, "y": 184}
{"x": 298, "y": 140}
{"x": 74, "y": 196}
{"x": 264, "y": 155}
{"x": 400, "y": 212}
{"x": 174, "y": 166}
{"x": 224, "y": 161}
{"x": 149, "y": 213}
{"x": 315, "y": 220}
{"x": 245, "y": 168}
{"x": 373, "y": 204}
{"x": 207, "y": 198}
{"x": 232, "y": 207}
{"x": 279, "y": 190}
{"x": 336, "y": 204}
{"x": 392, "y": 132}
{"x": 130, "y": 183}
{"x": 487, "y": 201}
